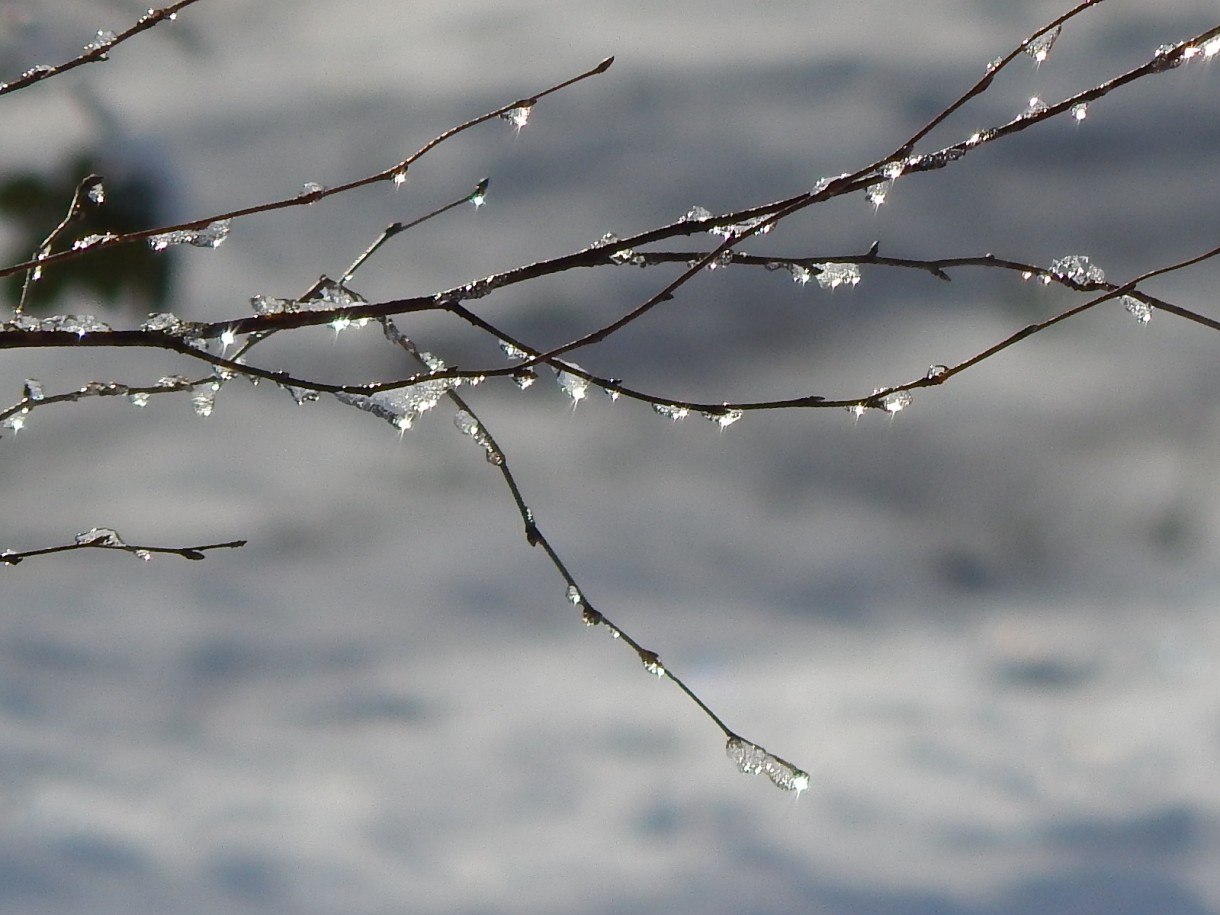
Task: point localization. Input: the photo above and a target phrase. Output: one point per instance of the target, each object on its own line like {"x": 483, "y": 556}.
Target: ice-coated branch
{"x": 104, "y": 538}
{"x": 98, "y": 49}
{"x": 395, "y": 173}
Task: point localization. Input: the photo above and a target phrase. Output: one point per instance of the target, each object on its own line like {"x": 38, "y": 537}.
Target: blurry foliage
{"x": 33, "y": 203}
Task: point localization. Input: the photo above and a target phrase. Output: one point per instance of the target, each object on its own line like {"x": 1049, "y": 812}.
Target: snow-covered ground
{"x": 987, "y": 626}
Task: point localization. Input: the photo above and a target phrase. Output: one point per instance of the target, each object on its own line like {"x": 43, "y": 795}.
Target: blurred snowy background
{"x": 987, "y": 627}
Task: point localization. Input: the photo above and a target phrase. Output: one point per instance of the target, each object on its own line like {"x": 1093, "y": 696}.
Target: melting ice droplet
{"x": 210, "y": 236}
{"x": 1141, "y": 311}
{"x": 1040, "y": 48}
{"x": 1076, "y": 267}
{"x": 832, "y": 276}
{"x": 752, "y": 759}
{"x": 519, "y": 116}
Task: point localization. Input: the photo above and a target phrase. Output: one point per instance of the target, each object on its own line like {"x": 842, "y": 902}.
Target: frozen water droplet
{"x": 1035, "y": 106}
{"x": 1211, "y": 47}
{"x": 97, "y": 191}
{"x": 267, "y": 305}
{"x": 75, "y": 324}
{"x": 210, "y": 236}
{"x": 876, "y": 193}
{"x": 100, "y": 536}
{"x": 519, "y": 116}
{"x": 800, "y": 275}
{"x": 139, "y": 398}
{"x": 592, "y": 617}
{"x": 33, "y": 389}
{"x": 301, "y": 395}
{"x": 1076, "y": 267}
{"x": 433, "y": 362}
{"x": 856, "y": 410}
{"x": 574, "y": 596}
{"x": 896, "y": 401}
{"x": 994, "y": 65}
{"x": 203, "y": 402}
{"x": 833, "y": 275}
{"x": 399, "y": 179}
{"x": 1139, "y": 310}
{"x": 37, "y": 70}
{"x": 697, "y": 214}
{"x": 671, "y": 411}
{"x": 1163, "y": 53}
{"x": 164, "y": 322}
{"x": 523, "y": 378}
{"x": 575, "y": 386}
{"x": 1080, "y": 111}
{"x": 513, "y": 352}
{"x": 752, "y": 759}
{"x": 309, "y": 188}
{"x": 652, "y": 663}
{"x": 893, "y": 170}
{"x": 723, "y": 418}
{"x": 16, "y": 422}
{"x": 737, "y": 229}
{"x": 173, "y": 381}
{"x": 90, "y": 240}
{"x": 1040, "y": 48}
{"x": 101, "y": 41}
{"x": 466, "y": 424}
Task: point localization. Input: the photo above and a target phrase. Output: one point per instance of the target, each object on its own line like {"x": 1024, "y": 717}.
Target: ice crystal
{"x": 1139, "y": 310}
{"x": 163, "y": 322}
{"x": 513, "y": 352}
{"x": 752, "y": 759}
{"x": 575, "y": 386}
{"x": 896, "y": 401}
{"x": 101, "y": 41}
{"x": 210, "y": 236}
{"x": 671, "y": 411}
{"x": 76, "y": 324}
{"x": 301, "y": 395}
{"x": 16, "y": 422}
{"x": 652, "y": 664}
{"x": 1040, "y": 48}
{"x": 723, "y": 418}
{"x": 90, "y": 240}
{"x": 267, "y": 305}
{"x": 876, "y": 193}
{"x": 801, "y": 275}
{"x": 99, "y": 536}
{"x": 1035, "y": 106}
{"x": 519, "y": 116}
{"x": 33, "y": 389}
{"x": 203, "y": 402}
{"x": 400, "y": 407}
{"x": 737, "y": 229}
{"x": 833, "y": 275}
{"x": 1076, "y": 267}
{"x": 697, "y": 214}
